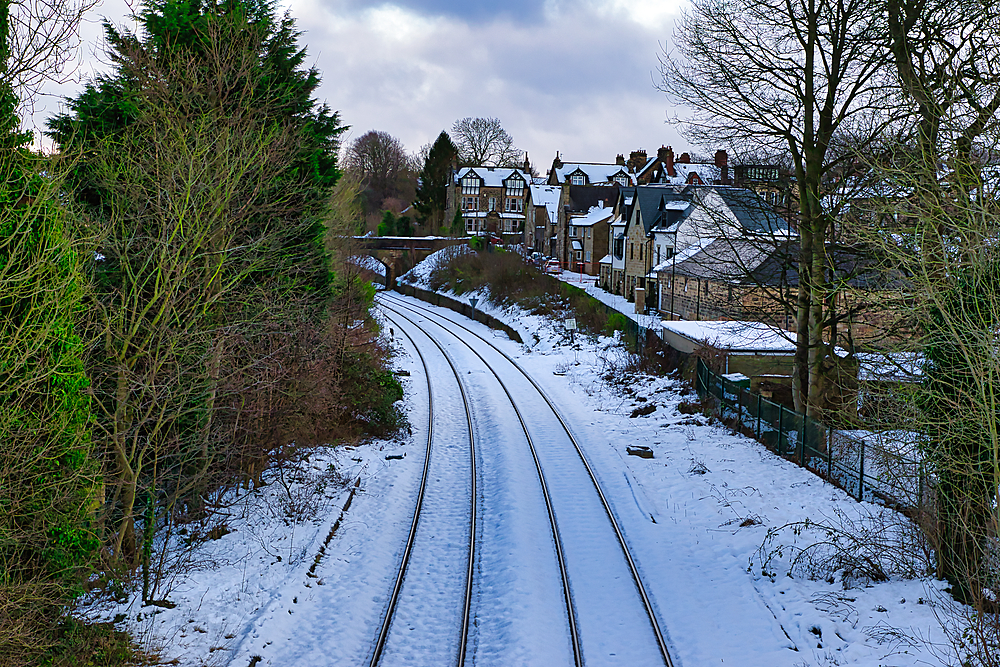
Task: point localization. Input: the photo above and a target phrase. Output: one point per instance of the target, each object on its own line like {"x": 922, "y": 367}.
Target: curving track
{"x": 423, "y": 605}
{"x": 607, "y": 614}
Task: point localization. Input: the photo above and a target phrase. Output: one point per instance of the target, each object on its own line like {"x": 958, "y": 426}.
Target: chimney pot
{"x": 685, "y": 158}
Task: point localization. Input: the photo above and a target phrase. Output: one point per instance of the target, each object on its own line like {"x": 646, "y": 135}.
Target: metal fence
{"x": 870, "y": 466}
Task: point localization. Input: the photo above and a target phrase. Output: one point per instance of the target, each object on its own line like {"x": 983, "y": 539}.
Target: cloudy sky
{"x": 575, "y": 76}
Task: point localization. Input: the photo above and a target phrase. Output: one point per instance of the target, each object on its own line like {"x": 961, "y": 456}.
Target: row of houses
{"x": 684, "y": 237}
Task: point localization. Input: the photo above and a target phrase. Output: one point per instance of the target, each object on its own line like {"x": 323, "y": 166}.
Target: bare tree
{"x": 939, "y": 225}
{"x": 787, "y": 76}
{"x": 44, "y": 41}
{"x": 482, "y": 142}
{"x": 379, "y": 160}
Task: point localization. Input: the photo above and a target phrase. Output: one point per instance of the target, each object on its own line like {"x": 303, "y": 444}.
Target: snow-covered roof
{"x": 595, "y": 215}
{"x": 492, "y": 177}
{"x": 684, "y": 255}
{"x": 735, "y": 336}
{"x": 596, "y": 173}
{"x": 605, "y": 260}
{"x": 547, "y": 196}
{"x": 708, "y": 173}
{"x": 890, "y": 366}
{"x": 577, "y": 246}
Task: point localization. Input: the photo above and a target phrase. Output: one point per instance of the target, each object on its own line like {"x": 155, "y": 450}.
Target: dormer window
{"x": 515, "y": 186}
{"x": 621, "y": 179}
{"x": 470, "y": 184}
{"x": 578, "y": 178}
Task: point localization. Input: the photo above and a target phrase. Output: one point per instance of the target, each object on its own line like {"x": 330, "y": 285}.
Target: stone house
{"x": 490, "y": 199}
{"x": 588, "y": 238}
{"x": 662, "y": 220}
{"x": 756, "y": 279}
{"x": 576, "y": 201}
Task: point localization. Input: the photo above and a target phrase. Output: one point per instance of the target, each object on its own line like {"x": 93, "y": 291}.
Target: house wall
{"x": 702, "y": 299}
{"x": 637, "y": 256}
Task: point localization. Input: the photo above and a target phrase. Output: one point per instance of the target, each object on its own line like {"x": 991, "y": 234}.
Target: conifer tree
{"x": 432, "y": 192}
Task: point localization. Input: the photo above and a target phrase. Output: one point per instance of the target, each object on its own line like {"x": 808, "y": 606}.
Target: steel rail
{"x": 637, "y": 580}
{"x": 560, "y": 557}
{"x": 404, "y": 564}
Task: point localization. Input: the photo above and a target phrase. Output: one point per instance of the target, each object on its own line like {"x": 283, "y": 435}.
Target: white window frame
{"x": 470, "y": 185}
{"x": 492, "y": 204}
{"x": 514, "y": 187}
{"x": 577, "y": 178}
{"x": 470, "y": 203}
{"x": 514, "y": 205}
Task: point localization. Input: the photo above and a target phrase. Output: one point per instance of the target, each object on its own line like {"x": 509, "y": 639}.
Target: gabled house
{"x": 662, "y": 220}
{"x": 490, "y": 199}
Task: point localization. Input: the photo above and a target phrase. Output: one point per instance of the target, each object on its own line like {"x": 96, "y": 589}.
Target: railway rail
{"x": 395, "y": 305}
{"x": 386, "y": 625}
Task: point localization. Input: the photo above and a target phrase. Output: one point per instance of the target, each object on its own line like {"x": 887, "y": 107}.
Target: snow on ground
{"x": 370, "y": 263}
{"x": 712, "y": 499}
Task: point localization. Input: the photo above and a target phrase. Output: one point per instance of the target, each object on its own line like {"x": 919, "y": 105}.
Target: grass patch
{"x": 81, "y": 644}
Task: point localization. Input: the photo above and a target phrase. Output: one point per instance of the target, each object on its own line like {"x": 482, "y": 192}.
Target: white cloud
{"x": 574, "y": 76}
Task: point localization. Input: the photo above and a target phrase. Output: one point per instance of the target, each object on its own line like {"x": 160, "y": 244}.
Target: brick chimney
{"x": 722, "y": 162}
{"x": 637, "y": 160}
{"x": 685, "y": 158}
{"x": 557, "y": 163}
{"x": 620, "y": 160}
{"x": 666, "y": 157}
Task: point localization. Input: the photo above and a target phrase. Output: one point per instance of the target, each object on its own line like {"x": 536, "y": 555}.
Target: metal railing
{"x": 869, "y": 465}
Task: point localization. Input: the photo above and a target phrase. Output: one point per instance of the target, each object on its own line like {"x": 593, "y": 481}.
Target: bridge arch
{"x": 400, "y": 254}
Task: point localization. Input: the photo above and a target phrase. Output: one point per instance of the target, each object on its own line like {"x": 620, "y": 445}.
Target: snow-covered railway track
{"x": 605, "y": 622}
{"x": 412, "y": 610}
{"x": 572, "y": 626}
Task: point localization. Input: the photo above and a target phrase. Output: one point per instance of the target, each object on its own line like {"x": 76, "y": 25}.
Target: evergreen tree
{"x": 432, "y": 192}
{"x": 224, "y": 329}
{"x": 457, "y": 224}
{"x": 387, "y": 227}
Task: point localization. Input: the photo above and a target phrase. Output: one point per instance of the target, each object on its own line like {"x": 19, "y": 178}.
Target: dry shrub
{"x": 509, "y": 281}
{"x": 875, "y": 547}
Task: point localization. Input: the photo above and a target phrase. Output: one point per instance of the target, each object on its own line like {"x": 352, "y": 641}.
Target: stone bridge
{"x": 399, "y": 254}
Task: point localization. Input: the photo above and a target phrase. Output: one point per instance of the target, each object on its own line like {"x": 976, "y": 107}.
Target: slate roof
{"x": 596, "y": 173}
{"x": 667, "y": 206}
{"x": 743, "y": 261}
{"x": 659, "y": 206}
{"x": 586, "y": 197}
{"x": 492, "y": 177}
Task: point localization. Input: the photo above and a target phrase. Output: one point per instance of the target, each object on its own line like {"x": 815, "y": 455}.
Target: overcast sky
{"x": 575, "y": 76}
